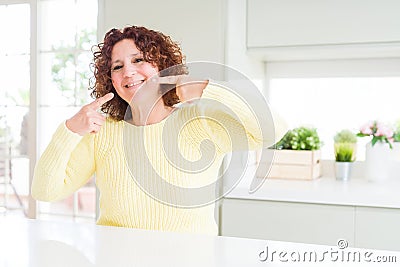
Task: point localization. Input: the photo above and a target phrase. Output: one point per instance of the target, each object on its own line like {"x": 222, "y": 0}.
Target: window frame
{"x": 333, "y": 68}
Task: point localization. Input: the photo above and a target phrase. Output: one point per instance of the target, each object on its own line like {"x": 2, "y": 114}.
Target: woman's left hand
{"x": 187, "y": 88}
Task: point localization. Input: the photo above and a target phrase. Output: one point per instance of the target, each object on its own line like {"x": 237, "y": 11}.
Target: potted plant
{"x": 378, "y": 152}
{"x": 381, "y": 133}
{"x": 297, "y": 155}
{"x": 301, "y": 138}
{"x": 345, "y": 147}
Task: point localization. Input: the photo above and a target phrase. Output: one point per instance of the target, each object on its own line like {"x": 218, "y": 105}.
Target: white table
{"x": 42, "y": 243}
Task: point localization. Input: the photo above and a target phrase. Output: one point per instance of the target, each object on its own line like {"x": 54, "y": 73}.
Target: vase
{"x": 396, "y": 152}
{"x": 343, "y": 170}
{"x": 378, "y": 159}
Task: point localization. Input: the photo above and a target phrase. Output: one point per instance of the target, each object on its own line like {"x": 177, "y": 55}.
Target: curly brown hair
{"x": 157, "y": 48}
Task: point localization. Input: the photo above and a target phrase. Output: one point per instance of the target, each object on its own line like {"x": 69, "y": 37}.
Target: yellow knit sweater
{"x": 128, "y": 162}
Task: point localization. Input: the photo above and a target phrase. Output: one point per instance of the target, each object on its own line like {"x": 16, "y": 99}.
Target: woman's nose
{"x": 130, "y": 70}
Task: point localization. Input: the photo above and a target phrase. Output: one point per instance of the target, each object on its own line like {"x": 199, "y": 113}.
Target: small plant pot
{"x": 343, "y": 170}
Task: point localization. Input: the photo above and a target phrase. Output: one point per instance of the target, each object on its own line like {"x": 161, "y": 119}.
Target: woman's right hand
{"x": 88, "y": 119}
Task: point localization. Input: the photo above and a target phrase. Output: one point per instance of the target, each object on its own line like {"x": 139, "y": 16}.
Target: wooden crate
{"x": 296, "y": 164}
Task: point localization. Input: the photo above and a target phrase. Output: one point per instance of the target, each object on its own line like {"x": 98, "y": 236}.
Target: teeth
{"x": 133, "y": 84}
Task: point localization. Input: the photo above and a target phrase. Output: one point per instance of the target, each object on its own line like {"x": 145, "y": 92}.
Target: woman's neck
{"x": 145, "y": 115}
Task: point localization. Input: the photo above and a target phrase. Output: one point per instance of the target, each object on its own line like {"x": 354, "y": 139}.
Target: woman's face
{"x": 129, "y": 70}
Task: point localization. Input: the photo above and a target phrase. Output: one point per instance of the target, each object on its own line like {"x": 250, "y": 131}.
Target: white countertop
{"x": 324, "y": 190}
{"x": 50, "y": 244}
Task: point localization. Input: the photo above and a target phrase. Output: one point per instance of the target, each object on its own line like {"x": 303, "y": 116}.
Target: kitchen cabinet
{"x": 377, "y": 228}
{"x": 323, "y": 29}
{"x": 314, "y": 22}
{"x": 285, "y": 221}
{"x": 361, "y": 227}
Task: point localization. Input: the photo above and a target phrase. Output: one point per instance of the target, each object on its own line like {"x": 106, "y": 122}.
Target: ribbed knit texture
{"x": 184, "y": 150}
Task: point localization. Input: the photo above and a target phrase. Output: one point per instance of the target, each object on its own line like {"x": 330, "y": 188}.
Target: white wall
{"x": 199, "y": 26}
{"x": 329, "y": 29}
{"x": 236, "y": 55}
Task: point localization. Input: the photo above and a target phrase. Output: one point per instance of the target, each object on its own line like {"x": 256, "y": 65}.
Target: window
{"x": 14, "y": 106}
{"x": 64, "y": 36}
{"x": 67, "y": 33}
{"x": 335, "y": 95}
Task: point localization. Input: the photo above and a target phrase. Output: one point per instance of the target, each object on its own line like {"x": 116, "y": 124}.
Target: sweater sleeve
{"x": 66, "y": 165}
{"x": 237, "y": 123}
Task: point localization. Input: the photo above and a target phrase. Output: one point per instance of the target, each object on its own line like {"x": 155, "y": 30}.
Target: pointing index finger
{"x": 101, "y": 100}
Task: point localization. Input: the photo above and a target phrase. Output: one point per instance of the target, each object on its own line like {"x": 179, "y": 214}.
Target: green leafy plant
{"x": 345, "y": 146}
{"x": 345, "y": 152}
{"x": 345, "y": 136}
{"x": 300, "y": 138}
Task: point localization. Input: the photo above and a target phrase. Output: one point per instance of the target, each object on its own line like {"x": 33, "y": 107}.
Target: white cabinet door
{"x": 284, "y": 23}
{"x": 377, "y": 228}
{"x": 284, "y": 221}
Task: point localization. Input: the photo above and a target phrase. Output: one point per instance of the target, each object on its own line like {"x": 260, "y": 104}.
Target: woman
{"x": 154, "y": 162}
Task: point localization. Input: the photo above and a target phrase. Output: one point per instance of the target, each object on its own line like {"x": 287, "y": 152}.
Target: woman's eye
{"x": 137, "y": 60}
{"x": 115, "y": 68}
